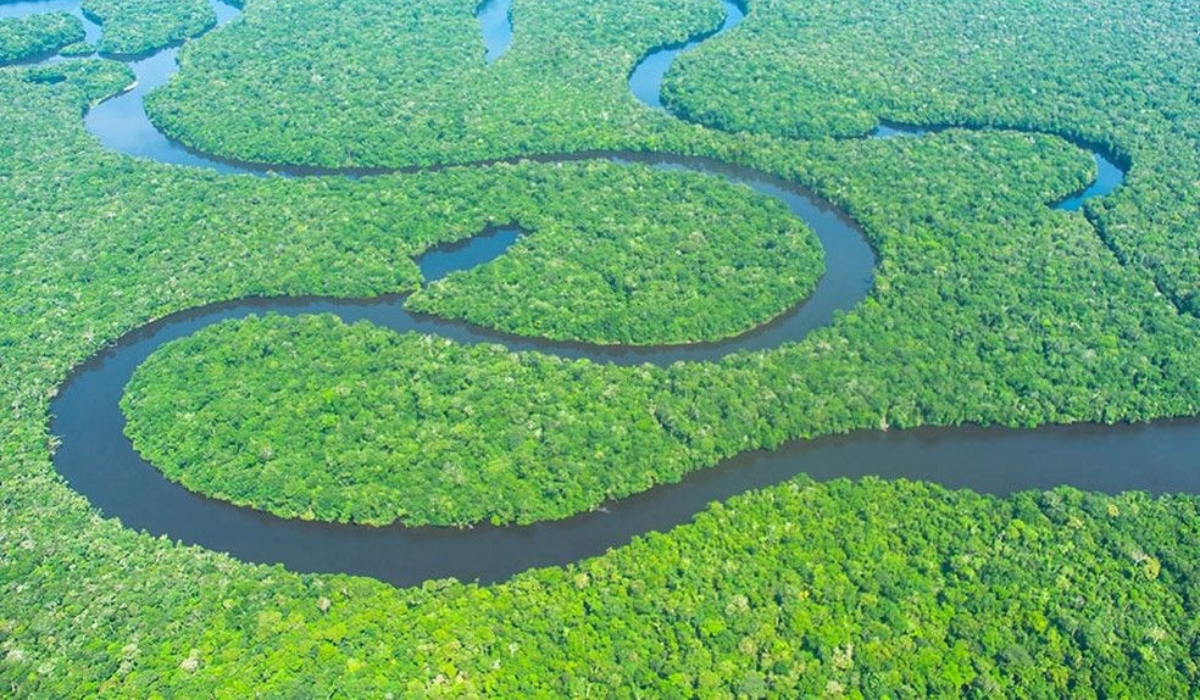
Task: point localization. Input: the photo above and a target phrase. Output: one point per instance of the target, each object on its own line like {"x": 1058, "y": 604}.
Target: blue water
{"x": 495, "y": 25}
{"x": 1109, "y": 177}
{"x": 464, "y": 255}
{"x": 91, "y": 30}
{"x": 647, "y": 77}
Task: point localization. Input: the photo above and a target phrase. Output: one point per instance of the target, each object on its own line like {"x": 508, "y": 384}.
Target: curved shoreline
{"x": 98, "y": 461}
{"x": 646, "y": 79}
{"x": 106, "y": 469}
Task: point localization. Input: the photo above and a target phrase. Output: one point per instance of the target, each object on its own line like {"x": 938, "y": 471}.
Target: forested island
{"x": 211, "y": 216}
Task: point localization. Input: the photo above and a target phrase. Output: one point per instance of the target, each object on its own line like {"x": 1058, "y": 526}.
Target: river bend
{"x": 99, "y": 462}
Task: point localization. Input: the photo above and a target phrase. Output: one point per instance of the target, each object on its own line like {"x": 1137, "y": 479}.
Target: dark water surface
{"x": 99, "y": 462}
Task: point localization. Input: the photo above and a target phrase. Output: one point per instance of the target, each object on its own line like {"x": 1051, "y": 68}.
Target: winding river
{"x": 99, "y": 462}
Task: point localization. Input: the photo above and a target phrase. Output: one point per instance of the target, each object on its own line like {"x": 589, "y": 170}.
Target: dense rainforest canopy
{"x": 987, "y": 307}
{"x": 1013, "y": 324}
{"x": 1122, "y": 75}
{"x": 808, "y": 70}
{"x": 25, "y": 38}
{"x": 637, "y": 258}
{"x": 385, "y": 83}
{"x": 136, "y": 27}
